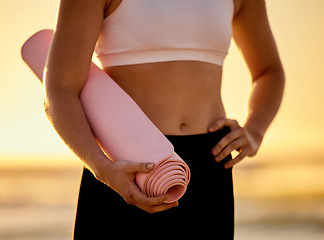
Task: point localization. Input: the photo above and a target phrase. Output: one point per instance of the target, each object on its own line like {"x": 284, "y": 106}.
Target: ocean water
{"x": 39, "y": 203}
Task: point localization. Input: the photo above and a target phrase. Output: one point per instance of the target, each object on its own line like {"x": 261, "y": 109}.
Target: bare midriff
{"x": 180, "y": 97}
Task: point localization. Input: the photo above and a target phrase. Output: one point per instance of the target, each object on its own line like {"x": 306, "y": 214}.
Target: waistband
{"x": 197, "y": 138}
{"x": 201, "y": 135}
{"x": 196, "y": 149}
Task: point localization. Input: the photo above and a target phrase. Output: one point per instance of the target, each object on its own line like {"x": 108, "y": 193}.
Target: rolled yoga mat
{"x": 121, "y": 128}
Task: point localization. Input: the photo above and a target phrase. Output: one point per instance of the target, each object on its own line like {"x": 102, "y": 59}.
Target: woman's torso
{"x": 181, "y": 97}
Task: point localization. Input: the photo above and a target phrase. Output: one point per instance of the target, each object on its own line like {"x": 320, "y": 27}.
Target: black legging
{"x": 206, "y": 210}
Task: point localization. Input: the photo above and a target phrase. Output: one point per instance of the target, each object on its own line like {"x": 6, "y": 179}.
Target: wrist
{"x": 255, "y": 132}
{"x": 100, "y": 168}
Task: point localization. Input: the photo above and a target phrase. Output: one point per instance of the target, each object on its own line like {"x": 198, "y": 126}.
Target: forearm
{"x": 265, "y": 99}
{"x": 65, "y": 112}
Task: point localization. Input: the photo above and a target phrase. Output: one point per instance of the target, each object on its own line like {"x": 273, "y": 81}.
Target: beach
{"x": 38, "y": 202}
{"x": 56, "y": 222}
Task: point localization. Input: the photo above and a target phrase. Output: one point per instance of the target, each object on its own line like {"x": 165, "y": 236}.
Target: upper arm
{"x": 254, "y": 38}
{"x": 78, "y": 26}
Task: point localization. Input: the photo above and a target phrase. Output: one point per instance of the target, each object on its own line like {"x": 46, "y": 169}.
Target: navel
{"x": 183, "y": 126}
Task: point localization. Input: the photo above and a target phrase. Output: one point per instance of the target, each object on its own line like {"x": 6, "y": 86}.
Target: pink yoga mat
{"x": 121, "y": 128}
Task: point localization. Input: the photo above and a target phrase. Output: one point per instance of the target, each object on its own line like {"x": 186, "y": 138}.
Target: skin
{"x": 169, "y": 87}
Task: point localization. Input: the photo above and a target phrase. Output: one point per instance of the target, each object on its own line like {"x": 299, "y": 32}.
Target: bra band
{"x": 129, "y": 58}
{"x": 147, "y": 31}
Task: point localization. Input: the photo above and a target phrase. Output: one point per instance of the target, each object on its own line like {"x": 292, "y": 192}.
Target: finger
{"x": 221, "y": 123}
{"x": 149, "y": 204}
{"x": 237, "y": 144}
{"x": 237, "y": 159}
{"x": 140, "y": 198}
{"x": 140, "y": 167}
{"x": 161, "y": 207}
{"x": 226, "y": 140}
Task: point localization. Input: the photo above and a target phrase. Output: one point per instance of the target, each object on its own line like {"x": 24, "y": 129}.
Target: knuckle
{"x": 236, "y": 145}
{"x": 218, "y": 148}
{"x": 120, "y": 166}
{"x": 234, "y": 122}
{"x": 129, "y": 168}
{"x": 242, "y": 131}
{"x": 226, "y": 139}
{"x": 249, "y": 148}
{"x": 220, "y": 121}
{"x": 224, "y": 153}
{"x": 253, "y": 152}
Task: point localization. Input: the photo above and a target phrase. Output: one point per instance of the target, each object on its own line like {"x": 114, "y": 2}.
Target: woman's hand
{"x": 120, "y": 176}
{"x": 241, "y": 139}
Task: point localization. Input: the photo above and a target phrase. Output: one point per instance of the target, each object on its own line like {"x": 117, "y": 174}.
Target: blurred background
{"x": 279, "y": 194}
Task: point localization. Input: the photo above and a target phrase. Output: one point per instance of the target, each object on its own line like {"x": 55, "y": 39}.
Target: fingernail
{"x": 150, "y": 165}
{"x": 211, "y": 129}
{"x": 215, "y": 152}
{"x": 217, "y": 158}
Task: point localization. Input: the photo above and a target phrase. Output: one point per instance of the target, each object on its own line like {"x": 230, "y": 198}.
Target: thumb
{"x": 143, "y": 167}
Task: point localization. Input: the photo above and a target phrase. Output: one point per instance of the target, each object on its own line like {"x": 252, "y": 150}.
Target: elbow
{"x": 280, "y": 77}
{"x": 271, "y": 81}
{"x": 48, "y": 103}
{"x": 279, "y": 73}
{"x": 49, "y": 95}
{"x": 277, "y": 76}
{"x": 57, "y": 98}
{"x": 51, "y": 99}
{"x": 47, "y": 107}
{"x": 274, "y": 74}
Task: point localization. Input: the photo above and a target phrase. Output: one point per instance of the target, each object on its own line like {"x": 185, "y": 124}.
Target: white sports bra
{"x": 146, "y": 31}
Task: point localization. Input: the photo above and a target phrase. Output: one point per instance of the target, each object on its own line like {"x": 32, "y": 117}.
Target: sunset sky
{"x": 26, "y": 134}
